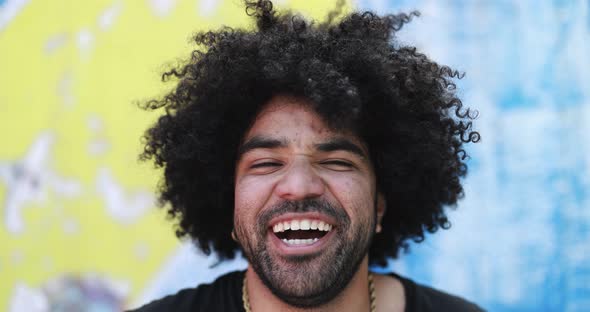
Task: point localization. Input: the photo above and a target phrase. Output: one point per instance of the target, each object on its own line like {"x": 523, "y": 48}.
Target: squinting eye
{"x": 338, "y": 165}
{"x": 265, "y": 165}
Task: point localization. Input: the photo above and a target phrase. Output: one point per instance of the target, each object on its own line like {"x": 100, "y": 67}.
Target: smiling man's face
{"x": 305, "y": 203}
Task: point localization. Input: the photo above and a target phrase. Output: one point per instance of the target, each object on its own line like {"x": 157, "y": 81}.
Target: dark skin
{"x": 290, "y": 154}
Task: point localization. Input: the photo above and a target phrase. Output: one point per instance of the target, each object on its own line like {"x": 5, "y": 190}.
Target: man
{"x": 316, "y": 150}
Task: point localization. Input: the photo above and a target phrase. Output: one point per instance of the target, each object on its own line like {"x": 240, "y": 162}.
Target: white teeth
{"x": 300, "y": 241}
{"x": 303, "y": 225}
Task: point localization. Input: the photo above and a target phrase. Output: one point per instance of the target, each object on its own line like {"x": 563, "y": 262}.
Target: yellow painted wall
{"x": 71, "y": 72}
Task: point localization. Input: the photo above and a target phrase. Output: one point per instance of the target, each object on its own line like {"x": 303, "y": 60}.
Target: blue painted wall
{"x": 520, "y": 239}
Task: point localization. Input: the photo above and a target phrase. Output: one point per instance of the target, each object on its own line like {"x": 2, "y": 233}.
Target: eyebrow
{"x": 340, "y": 144}
{"x": 260, "y": 142}
{"x": 335, "y": 144}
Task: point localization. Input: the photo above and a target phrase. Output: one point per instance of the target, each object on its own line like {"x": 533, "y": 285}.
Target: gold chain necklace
{"x": 372, "y": 295}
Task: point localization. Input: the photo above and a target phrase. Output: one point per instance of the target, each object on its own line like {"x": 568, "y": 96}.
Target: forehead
{"x": 290, "y": 118}
{"x": 291, "y": 125}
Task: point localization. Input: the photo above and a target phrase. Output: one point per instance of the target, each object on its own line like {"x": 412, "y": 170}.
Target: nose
{"x": 300, "y": 181}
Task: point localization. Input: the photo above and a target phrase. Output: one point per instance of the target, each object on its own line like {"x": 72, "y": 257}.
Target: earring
{"x": 233, "y": 235}
{"x": 378, "y": 228}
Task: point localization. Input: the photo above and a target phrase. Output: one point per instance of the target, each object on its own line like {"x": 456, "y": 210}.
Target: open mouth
{"x": 301, "y": 232}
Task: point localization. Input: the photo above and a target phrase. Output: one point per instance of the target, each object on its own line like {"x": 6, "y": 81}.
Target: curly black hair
{"x": 357, "y": 77}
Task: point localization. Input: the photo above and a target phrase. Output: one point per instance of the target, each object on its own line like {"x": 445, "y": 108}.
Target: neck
{"x": 354, "y": 297}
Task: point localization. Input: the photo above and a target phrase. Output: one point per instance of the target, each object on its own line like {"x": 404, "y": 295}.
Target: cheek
{"x": 250, "y": 197}
{"x": 355, "y": 195}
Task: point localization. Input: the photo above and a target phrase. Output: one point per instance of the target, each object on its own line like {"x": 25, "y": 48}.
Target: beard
{"x": 314, "y": 279}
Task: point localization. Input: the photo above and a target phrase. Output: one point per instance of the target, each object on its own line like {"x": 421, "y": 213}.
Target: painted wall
{"x": 521, "y": 238}
{"x": 78, "y": 218}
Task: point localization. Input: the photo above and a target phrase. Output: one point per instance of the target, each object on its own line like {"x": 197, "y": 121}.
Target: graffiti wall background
{"x": 79, "y": 230}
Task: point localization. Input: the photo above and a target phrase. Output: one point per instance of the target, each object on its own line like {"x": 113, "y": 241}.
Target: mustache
{"x": 306, "y": 205}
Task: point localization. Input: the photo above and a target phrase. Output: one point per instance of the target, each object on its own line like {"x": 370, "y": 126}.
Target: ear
{"x": 381, "y": 208}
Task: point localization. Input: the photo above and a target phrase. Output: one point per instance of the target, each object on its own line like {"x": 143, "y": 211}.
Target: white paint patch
{"x": 94, "y": 123}
{"x": 64, "y": 89}
{"x": 207, "y": 8}
{"x": 28, "y": 180}
{"x": 98, "y": 145}
{"x": 25, "y": 298}
{"x": 55, "y": 42}
{"x": 123, "y": 208}
{"x": 85, "y": 42}
{"x": 9, "y": 10}
{"x": 92, "y": 291}
{"x": 25, "y": 180}
{"x": 107, "y": 19}
{"x": 63, "y": 187}
{"x": 161, "y": 8}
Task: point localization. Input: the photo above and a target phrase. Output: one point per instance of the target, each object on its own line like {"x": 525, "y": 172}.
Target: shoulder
{"x": 420, "y": 298}
{"x": 223, "y": 294}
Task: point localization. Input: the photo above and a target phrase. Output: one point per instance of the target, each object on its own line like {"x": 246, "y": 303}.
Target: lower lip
{"x": 287, "y": 249}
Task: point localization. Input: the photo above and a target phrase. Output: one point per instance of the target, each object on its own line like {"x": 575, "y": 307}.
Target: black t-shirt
{"x": 225, "y": 295}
